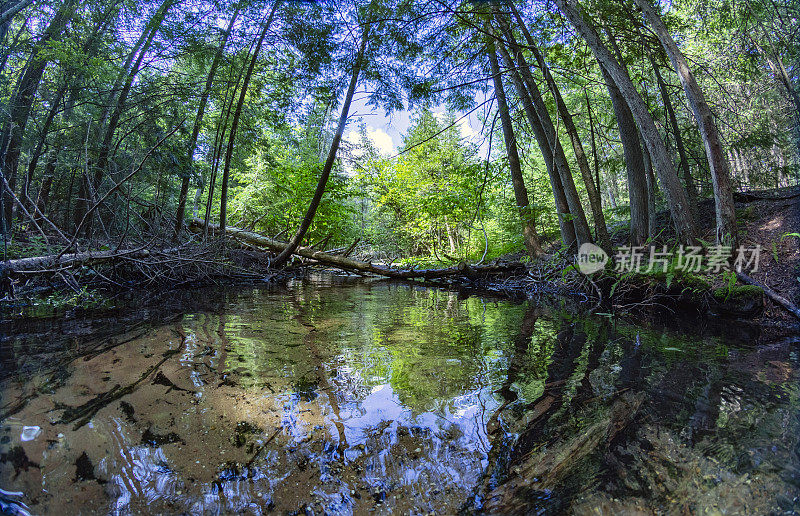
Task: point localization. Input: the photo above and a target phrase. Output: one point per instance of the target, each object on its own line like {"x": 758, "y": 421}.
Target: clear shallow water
{"x": 334, "y": 396}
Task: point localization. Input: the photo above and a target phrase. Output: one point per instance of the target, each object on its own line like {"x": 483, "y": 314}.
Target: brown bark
{"x": 530, "y": 237}
{"x": 720, "y": 174}
{"x": 673, "y": 190}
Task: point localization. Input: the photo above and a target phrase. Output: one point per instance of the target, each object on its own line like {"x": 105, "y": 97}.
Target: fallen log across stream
{"x": 341, "y": 262}
{"x": 50, "y": 263}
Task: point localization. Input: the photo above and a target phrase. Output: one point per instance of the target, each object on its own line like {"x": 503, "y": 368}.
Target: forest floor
{"x": 769, "y": 223}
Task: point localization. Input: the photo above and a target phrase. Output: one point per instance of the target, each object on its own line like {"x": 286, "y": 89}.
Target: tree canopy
{"x": 122, "y": 120}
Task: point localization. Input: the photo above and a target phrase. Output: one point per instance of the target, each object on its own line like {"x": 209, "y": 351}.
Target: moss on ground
{"x": 738, "y": 292}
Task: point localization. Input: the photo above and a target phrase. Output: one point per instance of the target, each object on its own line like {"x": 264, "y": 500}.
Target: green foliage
{"x": 428, "y": 194}
{"x": 442, "y": 199}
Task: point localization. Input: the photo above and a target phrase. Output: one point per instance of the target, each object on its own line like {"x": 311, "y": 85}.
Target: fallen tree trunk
{"x": 347, "y": 264}
{"x": 777, "y": 298}
{"x": 41, "y": 264}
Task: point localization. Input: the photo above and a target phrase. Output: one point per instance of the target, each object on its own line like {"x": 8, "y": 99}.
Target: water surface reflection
{"x": 374, "y": 396}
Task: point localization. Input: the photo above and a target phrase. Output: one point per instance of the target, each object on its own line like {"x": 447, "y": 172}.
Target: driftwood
{"x": 56, "y": 263}
{"x": 777, "y": 298}
{"x": 341, "y": 262}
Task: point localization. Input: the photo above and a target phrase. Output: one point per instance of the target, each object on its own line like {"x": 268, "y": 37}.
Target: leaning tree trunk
{"x": 593, "y": 141}
{"x": 8, "y": 10}
{"x": 569, "y": 126}
{"x": 562, "y": 207}
{"x": 283, "y": 257}
{"x": 634, "y": 163}
{"x": 530, "y": 237}
{"x": 73, "y": 77}
{"x": 104, "y": 153}
{"x": 228, "y": 101}
{"x": 561, "y": 165}
{"x": 779, "y": 71}
{"x": 199, "y": 120}
{"x": 21, "y": 103}
{"x": 223, "y": 206}
{"x": 652, "y": 222}
{"x": 673, "y": 190}
{"x": 720, "y": 174}
{"x": 673, "y": 121}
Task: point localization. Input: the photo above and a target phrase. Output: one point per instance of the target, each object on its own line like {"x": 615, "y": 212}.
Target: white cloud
{"x": 465, "y": 128}
{"x": 380, "y": 138}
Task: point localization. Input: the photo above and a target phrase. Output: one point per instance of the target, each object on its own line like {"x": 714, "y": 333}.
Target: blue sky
{"x": 386, "y": 131}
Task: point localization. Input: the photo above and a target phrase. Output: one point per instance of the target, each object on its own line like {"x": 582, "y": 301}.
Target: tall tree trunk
{"x": 594, "y": 143}
{"x": 691, "y": 189}
{"x": 55, "y": 105}
{"x": 530, "y": 238}
{"x": 634, "y": 163}
{"x": 569, "y": 126}
{"x": 21, "y": 103}
{"x": 199, "y": 120}
{"x": 562, "y": 207}
{"x": 651, "y": 193}
{"x": 44, "y": 192}
{"x": 673, "y": 190}
{"x": 283, "y": 257}
{"x": 88, "y": 182}
{"x": 582, "y": 232}
{"x": 219, "y": 143}
{"x": 223, "y": 206}
{"x": 720, "y": 175}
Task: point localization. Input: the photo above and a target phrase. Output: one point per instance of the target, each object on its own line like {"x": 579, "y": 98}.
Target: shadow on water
{"x": 335, "y": 395}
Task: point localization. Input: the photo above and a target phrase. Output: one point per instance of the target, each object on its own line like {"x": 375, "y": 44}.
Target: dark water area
{"x": 339, "y": 396}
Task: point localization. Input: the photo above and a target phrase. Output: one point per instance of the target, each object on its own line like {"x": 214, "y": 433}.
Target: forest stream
{"x": 339, "y": 395}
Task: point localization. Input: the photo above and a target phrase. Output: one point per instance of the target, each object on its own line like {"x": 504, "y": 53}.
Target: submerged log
{"x": 341, "y": 262}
